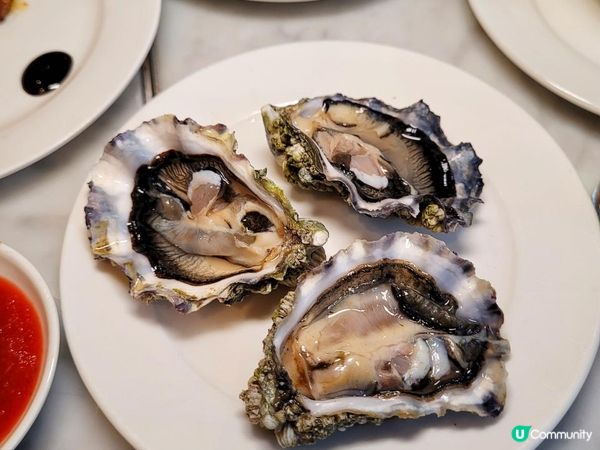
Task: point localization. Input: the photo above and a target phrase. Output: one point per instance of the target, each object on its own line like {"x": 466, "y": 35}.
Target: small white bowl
{"x": 14, "y": 267}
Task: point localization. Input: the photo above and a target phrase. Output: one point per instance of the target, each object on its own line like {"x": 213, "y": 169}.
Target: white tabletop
{"x": 35, "y": 202}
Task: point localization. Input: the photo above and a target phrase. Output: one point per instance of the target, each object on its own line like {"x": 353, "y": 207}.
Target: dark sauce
{"x": 46, "y": 72}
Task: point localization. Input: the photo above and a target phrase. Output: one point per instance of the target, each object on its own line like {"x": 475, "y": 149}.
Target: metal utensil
{"x": 149, "y": 84}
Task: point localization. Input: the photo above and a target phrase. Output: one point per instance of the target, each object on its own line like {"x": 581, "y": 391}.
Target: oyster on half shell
{"x": 189, "y": 220}
{"x": 383, "y": 161}
{"x": 399, "y": 327}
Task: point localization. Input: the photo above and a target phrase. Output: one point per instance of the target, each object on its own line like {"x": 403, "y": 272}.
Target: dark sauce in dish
{"x": 21, "y": 355}
{"x": 46, "y": 72}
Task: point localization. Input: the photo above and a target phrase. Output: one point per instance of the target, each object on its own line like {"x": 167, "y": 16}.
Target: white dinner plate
{"x": 556, "y": 42}
{"x": 107, "y": 39}
{"x": 167, "y": 380}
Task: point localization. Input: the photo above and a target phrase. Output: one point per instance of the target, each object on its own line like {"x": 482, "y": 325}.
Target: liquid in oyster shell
{"x": 190, "y": 221}
{"x": 399, "y": 327}
{"x": 383, "y": 161}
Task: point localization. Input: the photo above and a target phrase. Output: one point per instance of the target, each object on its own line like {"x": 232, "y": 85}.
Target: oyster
{"x": 399, "y": 327}
{"x": 383, "y": 161}
{"x": 189, "y": 220}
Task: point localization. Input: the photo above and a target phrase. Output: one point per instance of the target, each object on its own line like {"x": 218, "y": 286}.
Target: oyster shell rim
{"x": 272, "y": 402}
{"x": 306, "y": 251}
{"x": 302, "y": 164}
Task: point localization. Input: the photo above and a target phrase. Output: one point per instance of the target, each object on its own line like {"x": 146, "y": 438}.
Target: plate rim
{"x": 130, "y": 436}
{"x": 70, "y": 131}
{"x": 547, "y": 80}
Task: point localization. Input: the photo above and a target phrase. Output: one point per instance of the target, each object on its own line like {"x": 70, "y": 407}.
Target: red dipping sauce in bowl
{"x": 21, "y": 354}
{"x": 29, "y": 341}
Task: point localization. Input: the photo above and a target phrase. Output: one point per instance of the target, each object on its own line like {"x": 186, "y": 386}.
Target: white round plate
{"x": 107, "y": 39}
{"x": 556, "y": 42}
{"x": 167, "y": 380}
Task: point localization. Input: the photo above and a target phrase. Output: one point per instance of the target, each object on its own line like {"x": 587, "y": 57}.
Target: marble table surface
{"x": 35, "y": 202}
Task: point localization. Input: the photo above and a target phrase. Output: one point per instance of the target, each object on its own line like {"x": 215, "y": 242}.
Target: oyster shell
{"x": 399, "y": 327}
{"x": 383, "y": 161}
{"x": 189, "y": 220}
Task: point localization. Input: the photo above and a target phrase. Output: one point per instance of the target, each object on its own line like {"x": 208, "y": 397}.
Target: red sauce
{"x": 21, "y": 355}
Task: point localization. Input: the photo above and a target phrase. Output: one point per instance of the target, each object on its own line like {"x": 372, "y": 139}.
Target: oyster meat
{"x": 383, "y": 161}
{"x": 399, "y": 327}
{"x": 189, "y": 220}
